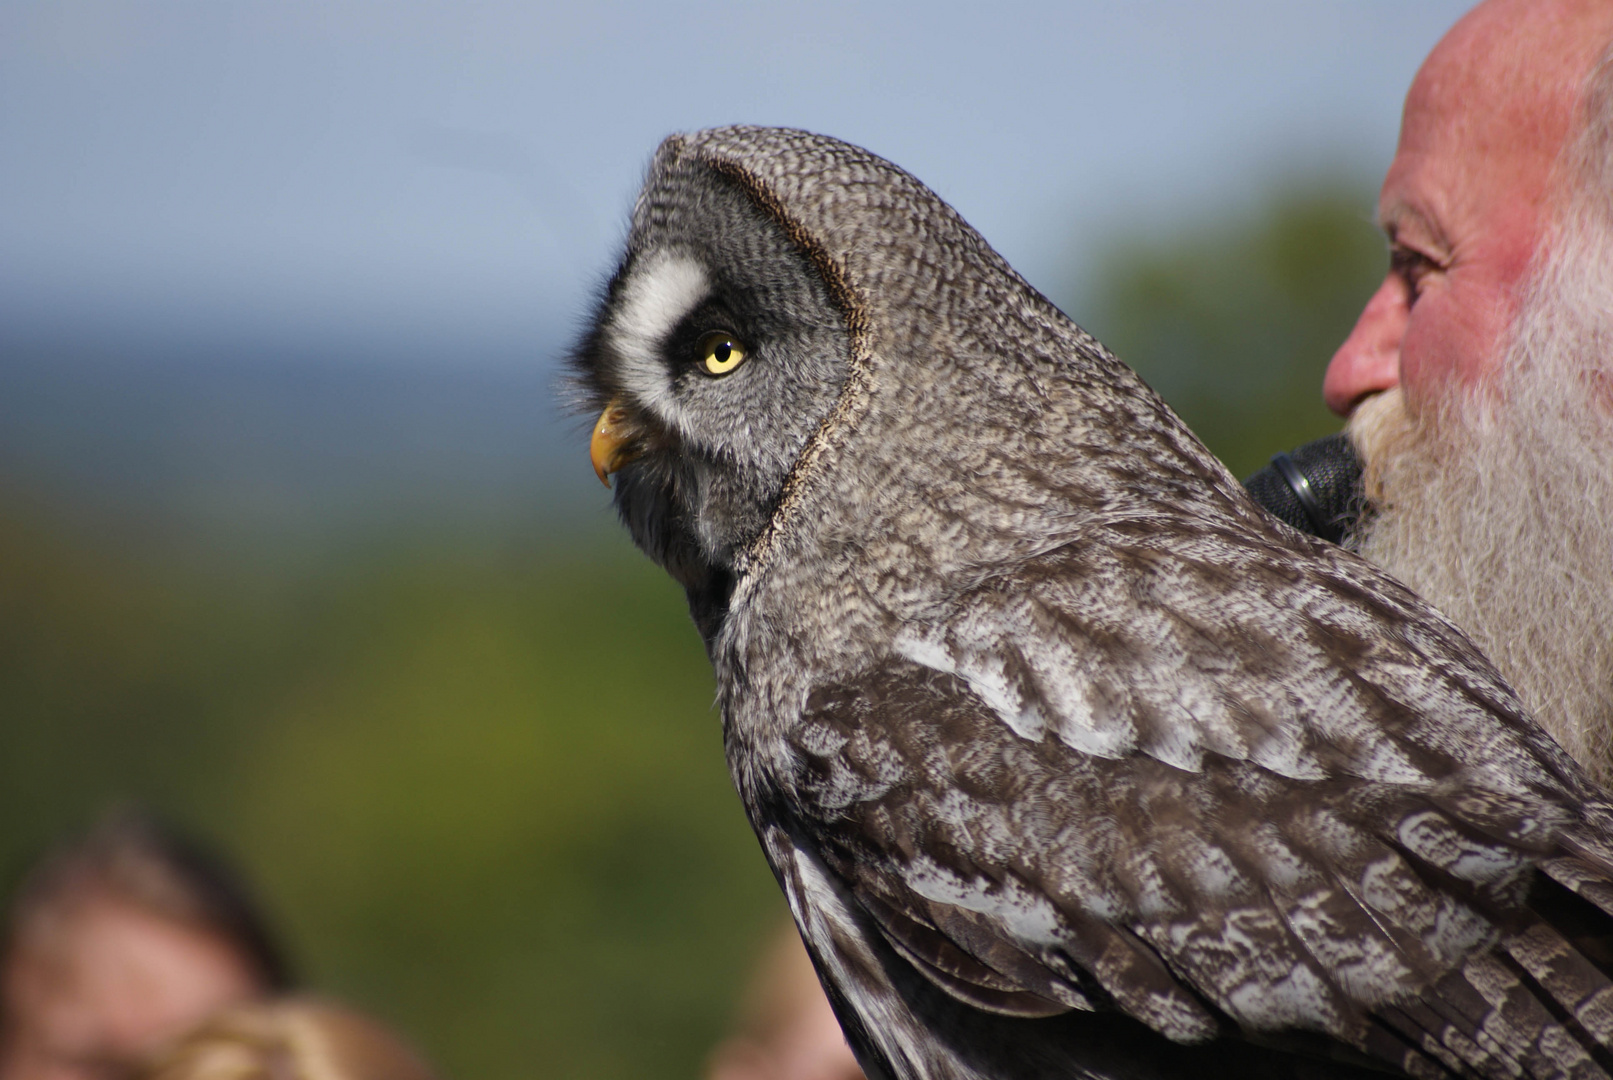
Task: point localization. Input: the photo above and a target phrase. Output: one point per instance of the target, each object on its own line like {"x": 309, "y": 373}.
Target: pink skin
{"x": 110, "y": 985}
{"x": 796, "y": 1036}
{"x": 1465, "y": 200}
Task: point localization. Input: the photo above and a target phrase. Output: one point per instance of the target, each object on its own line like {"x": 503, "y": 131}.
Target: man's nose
{"x": 1369, "y": 359}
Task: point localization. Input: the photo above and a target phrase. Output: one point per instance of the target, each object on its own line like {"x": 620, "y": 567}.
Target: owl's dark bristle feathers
{"x": 1071, "y": 760}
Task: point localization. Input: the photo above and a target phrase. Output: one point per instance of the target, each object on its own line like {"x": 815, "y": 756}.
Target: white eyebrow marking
{"x": 658, "y": 294}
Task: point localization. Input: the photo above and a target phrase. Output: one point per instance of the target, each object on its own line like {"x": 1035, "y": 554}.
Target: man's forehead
{"x": 1510, "y": 70}
{"x": 1490, "y": 109}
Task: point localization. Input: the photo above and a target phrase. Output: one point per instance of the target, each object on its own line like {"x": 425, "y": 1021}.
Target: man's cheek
{"x": 1453, "y": 341}
{"x": 1427, "y": 354}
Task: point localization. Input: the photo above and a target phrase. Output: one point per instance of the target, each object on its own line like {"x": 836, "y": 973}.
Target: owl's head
{"x": 718, "y": 349}
{"x": 805, "y": 348}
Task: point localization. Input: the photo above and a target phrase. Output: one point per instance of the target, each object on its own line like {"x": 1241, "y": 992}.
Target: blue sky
{"x": 460, "y": 172}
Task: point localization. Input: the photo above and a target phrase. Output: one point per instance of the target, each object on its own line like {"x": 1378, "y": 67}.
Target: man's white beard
{"x": 1498, "y": 505}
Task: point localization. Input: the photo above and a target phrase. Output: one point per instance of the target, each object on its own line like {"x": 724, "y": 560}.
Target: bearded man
{"x": 1479, "y": 378}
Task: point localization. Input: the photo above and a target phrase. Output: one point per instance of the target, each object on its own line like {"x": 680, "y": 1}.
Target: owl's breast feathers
{"x": 1220, "y": 785}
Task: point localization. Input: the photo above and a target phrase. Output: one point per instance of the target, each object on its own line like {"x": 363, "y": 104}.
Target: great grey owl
{"x": 1070, "y": 759}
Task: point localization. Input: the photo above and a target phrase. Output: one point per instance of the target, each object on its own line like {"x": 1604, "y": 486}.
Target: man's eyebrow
{"x": 1399, "y": 217}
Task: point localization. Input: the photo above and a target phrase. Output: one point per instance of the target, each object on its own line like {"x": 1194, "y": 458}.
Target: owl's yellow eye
{"x": 721, "y": 353}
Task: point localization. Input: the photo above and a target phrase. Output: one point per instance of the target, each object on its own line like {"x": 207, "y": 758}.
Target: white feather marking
{"x": 1031, "y": 919}
{"x": 1215, "y": 874}
{"x": 824, "y": 912}
{"x": 1386, "y": 763}
{"x": 926, "y": 651}
{"x": 986, "y": 675}
{"x": 1431, "y": 836}
{"x": 658, "y": 294}
{"x": 1099, "y": 734}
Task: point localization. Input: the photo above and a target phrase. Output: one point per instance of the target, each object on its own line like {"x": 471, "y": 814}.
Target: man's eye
{"x": 1412, "y": 267}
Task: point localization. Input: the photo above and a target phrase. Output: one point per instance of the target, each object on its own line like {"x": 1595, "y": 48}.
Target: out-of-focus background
{"x": 296, "y": 546}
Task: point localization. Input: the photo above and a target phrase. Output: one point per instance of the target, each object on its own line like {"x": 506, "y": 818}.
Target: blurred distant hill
{"x": 270, "y": 449}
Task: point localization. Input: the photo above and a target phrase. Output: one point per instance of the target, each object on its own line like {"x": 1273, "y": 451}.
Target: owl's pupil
{"x": 723, "y": 352}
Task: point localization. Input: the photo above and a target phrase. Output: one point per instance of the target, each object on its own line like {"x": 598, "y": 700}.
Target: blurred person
{"x": 288, "y": 1039}
{"x": 1477, "y": 380}
{"x": 786, "y": 1029}
{"x": 117, "y": 942}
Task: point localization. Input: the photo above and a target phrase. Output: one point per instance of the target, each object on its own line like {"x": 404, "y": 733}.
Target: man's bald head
{"x": 1508, "y": 74}
{"x": 1467, "y": 201}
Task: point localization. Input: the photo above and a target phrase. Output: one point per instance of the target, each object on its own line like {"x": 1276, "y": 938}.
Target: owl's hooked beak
{"x": 617, "y": 440}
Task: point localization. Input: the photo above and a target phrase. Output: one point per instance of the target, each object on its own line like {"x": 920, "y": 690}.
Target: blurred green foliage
{"x": 485, "y": 796}
{"x": 1234, "y": 322}
{"x": 483, "y": 792}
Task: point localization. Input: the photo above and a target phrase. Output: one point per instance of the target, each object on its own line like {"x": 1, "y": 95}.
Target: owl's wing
{"x": 1237, "y": 790}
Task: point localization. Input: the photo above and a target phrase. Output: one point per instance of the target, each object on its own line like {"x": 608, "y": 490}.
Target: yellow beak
{"x": 615, "y": 441}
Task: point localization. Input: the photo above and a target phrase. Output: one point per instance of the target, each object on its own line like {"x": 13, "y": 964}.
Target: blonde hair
{"x": 288, "y": 1039}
